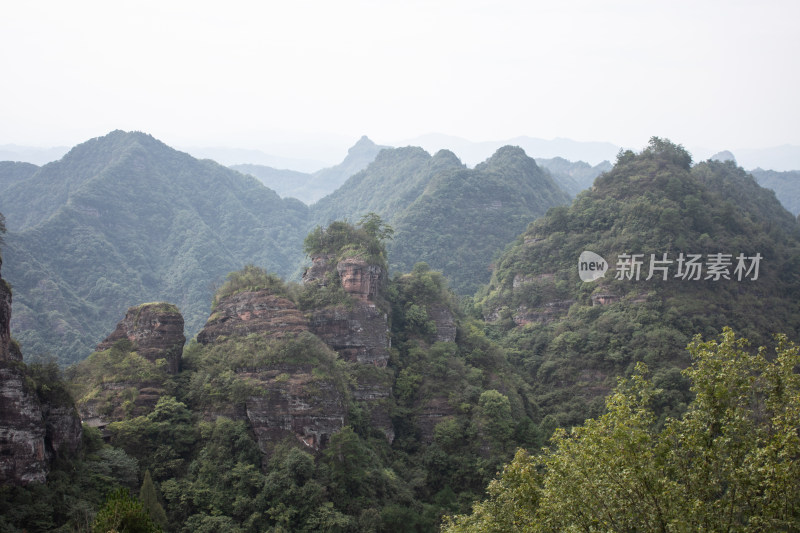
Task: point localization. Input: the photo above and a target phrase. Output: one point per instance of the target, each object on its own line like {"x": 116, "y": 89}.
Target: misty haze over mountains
{"x": 319, "y": 154}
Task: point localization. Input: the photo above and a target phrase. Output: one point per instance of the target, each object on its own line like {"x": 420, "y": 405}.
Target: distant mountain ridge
{"x": 310, "y": 187}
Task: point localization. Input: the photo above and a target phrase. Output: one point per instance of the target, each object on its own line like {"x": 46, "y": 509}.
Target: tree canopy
{"x": 730, "y": 463}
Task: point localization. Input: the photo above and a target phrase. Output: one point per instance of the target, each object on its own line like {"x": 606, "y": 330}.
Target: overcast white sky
{"x": 242, "y": 74}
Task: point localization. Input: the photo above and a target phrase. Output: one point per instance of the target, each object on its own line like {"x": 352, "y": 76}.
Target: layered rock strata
{"x": 32, "y": 432}
{"x": 253, "y": 312}
{"x": 359, "y": 332}
{"x": 156, "y": 331}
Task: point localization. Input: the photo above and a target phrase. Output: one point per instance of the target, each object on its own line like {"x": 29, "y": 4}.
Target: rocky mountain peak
{"x": 156, "y": 331}
{"x": 364, "y": 145}
{"x": 248, "y": 312}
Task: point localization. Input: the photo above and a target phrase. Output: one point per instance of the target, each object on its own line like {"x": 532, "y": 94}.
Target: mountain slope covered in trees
{"x": 453, "y": 218}
{"x": 573, "y": 338}
{"x": 123, "y": 219}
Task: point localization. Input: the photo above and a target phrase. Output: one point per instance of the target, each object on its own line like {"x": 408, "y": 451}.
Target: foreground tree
{"x": 731, "y": 463}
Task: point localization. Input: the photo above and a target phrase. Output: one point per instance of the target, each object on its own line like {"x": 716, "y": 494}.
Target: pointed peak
{"x": 364, "y": 143}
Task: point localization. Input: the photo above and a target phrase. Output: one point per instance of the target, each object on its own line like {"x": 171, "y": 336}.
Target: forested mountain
{"x": 350, "y": 403}
{"x": 309, "y": 188}
{"x": 573, "y": 338}
{"x": 464, "y": 217}
{"x": 357, "y": 401}
{"x": 396, "y": 178}
{"x": 571, "y": 176}
{"x": 123, "y": 219}
{"x": 785, "y": 184}
{"x": 451, "y": 217}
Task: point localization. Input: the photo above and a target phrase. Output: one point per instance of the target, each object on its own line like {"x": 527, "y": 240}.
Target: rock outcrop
{"x": 359, "y": 332}
{"x": 253, "y": 312}
{"x": 32, "y": 432}
{"x": 156, "y": 331}
{"x": 291, "y": 400}
{"x": 295, "y": 403}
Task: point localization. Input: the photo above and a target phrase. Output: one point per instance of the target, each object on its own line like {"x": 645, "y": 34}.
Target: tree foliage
{"x": 123, "y": 514}
{"x": 730, "y": 463}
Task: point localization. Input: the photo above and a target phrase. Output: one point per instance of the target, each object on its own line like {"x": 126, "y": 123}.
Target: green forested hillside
{"x": 456, "y": 408}
{"x": 387, "y": 186}
{"x": 455, "y": 219}
{"x": 571, "y": 176}
{"x": 573, "y": 338}
{"x": 464, "y": 217}
{"x": 13, "y": 172}
{"x": 785, "y": 184}
{"x": 124, "y": 219}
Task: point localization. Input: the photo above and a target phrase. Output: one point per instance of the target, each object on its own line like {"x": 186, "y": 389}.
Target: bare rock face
{"x": 320, "y": 266}
{"x": 430, "y": 413}
{"x": 253, "y": 312}
{"x": 295, "y": 403}
{"x": 5, "y": 319}
{"x": 31, "y": 432}
{"x": 360, "y": 334}
{"x": 23, "y": 458}
{"x": 360, "y": 279}
{"x": 156, "y": 331}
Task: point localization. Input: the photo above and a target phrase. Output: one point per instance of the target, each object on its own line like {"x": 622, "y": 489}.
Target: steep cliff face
{"x": 126, "y": 374}
{"x": 32, "y": 432}
{"x": 23, "y": 458}
{"x": 156, "y": 331}
{"x": 5, "y": 318}
{"x": 290, "y": 395}
{"x": 294, "y": 403}
{"x": 444, "y": 321}
{"x": 359, "y": 332}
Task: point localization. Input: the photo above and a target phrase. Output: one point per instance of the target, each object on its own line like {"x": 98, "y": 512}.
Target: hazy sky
{"x": 705, "y": 74}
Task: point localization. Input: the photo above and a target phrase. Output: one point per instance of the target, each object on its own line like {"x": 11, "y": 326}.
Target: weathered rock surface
{"x": 5, "y": 318}
{"x": 295, "y": 403}
{"x": 360, "y": 279}
{"x": 23, "y": 458}
{"x": 156, "y": 331}
{"x": 253, "y": 312}
{"x": 429, "y": 413}
{"x": 360, "y": 334}
{"x": 374, "y": 393}
{"x": 31, "y": 432}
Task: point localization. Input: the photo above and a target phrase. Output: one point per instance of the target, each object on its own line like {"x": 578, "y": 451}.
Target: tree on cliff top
{"x": 343, "y": 239}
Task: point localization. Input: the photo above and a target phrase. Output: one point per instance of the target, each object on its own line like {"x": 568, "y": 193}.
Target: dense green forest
{"x": 123, "y": 219}
{"x": 209, "y": 472}
{"x": 584, "y": 390}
